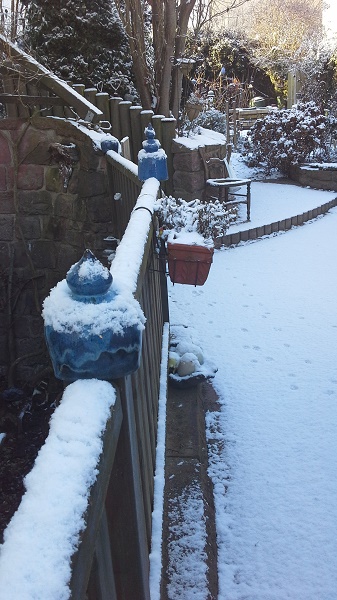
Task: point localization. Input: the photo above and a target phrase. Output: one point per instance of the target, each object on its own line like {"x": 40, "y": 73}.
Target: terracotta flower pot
{"x": 189, "y": 264}
{"x": 193, "y": 110}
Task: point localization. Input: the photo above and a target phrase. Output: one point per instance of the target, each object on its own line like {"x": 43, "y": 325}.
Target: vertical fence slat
{"x": 125, "y": 509}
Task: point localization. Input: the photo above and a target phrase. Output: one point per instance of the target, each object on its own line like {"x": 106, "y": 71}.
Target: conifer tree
{"x": 82, "y": 42}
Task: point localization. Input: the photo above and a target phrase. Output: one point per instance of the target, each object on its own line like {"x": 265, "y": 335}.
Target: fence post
{"x": 102, "y": 102}
{"x": 228, "y": 131}
{"x": 145, "y": 119}
{"x": 114, "y": 117}
{"x": 235, "y": 137}
{"x": 90, "y": 94}
{"x": 169, "y": 133}
{"x": 124, "y": 116}
{"x": 79, "y": 88}
{"x": 157, "y": 126}
{"x": 136, "y": 129}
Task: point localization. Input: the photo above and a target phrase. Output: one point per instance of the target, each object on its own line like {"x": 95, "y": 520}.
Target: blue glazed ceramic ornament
{"x": 152, "y": 160}
{"x": 91, "y": 331}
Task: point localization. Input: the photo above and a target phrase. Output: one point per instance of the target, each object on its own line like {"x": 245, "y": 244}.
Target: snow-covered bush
{"x": 211, "y": 118}
{"x": 290, "y": 136}
{"x": 178, "y": 217}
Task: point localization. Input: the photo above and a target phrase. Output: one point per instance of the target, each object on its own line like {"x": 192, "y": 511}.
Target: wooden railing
{"x": 113, "y": 559}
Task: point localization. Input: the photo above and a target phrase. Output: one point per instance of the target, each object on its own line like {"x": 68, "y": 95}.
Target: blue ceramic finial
{"x": 102, "y": 339}
{"x": 152, "y": 160}
{"x": 88, "y": 278}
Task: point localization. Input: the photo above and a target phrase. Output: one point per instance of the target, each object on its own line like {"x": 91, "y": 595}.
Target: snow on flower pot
{"x": 189, "y": 264}
{"x": 91, "y": 330}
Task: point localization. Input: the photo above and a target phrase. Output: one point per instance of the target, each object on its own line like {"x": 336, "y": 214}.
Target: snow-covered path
{"x": 267, "y": 317}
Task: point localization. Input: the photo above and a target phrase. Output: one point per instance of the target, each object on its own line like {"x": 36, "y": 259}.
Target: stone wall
{"x": 190, "y": 166}
{"x": 54, "y": 203}
{"x": 315, "y": 175}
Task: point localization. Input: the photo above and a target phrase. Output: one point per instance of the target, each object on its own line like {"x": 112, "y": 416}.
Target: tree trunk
{"x": 131, "y": 14}
{"x": 184, "y": 11}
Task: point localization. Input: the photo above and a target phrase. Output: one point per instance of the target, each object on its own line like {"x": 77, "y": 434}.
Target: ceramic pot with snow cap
{"x": 92, "y": 331}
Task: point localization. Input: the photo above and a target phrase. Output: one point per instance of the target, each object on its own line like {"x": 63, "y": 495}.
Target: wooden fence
{"x": 113, "y": 559}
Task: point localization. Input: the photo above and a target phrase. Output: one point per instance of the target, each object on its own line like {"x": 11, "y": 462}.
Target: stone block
{"x": 53, "y": 228}
{"x": 288, "y": 224}
{"x": 260, "y": 231}
{"x": 43, "y": 254}
{"x": 6, "y": 228}
{"x": 30, "y": 227}
{"x": 4, "y": 254}
{"x": 63, "y": 206}
{"x": 253, "y": 233}
{"x": 91, "y": 184}
{"x": 35, "y": 203}
{"x": 30, "y": 177}
{"x": 66, "y": 256}
{"x": 188, "y": 196}
{"x": 274, "y": 227}
{"x": 294, "y": 221}
{"x": 7, "y": 202}
{"x": 267, "y": 229}
{"x": 79, "y": 209}
{"x": 244, "y": 235}
{"x": 73, "y": 237}
{"x": 314, "y": 213}
{"x": 34, "y": 146}
{"x": 99, "y": 209}
{"x": 236, "y": 238}
{"x": 189, "y": 181}
{"x": 226, "y": 240}
{"x": 188, "y": 161}
{"x": 40, "y": 155}
{"x": 89, "y": 158}
{"x": 3, "y": 178}
{"x": 5, "y": 153}
{"x": 53, "y": 180}
{"x": 74, "y": 182}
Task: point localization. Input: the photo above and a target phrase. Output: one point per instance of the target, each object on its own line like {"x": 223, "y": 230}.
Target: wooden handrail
{"x": 81, "y": 105}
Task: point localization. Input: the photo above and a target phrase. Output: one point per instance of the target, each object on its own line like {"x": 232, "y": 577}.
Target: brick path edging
{"x": 233, "y": 239}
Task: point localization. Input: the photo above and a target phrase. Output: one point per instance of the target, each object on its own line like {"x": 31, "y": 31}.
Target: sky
{"x": 267, "y": 318}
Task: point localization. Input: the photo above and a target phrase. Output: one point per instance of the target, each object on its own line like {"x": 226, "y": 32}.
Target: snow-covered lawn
{"x": 267, "y": 318}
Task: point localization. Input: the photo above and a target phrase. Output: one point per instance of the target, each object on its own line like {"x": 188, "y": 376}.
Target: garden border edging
{"x": 232, "y": 239}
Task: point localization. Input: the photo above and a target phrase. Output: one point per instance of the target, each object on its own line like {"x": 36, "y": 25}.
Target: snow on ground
{"x": 267, "y": 318}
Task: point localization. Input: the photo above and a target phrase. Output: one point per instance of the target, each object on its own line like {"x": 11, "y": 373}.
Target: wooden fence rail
{"x": 112, "y": 562}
